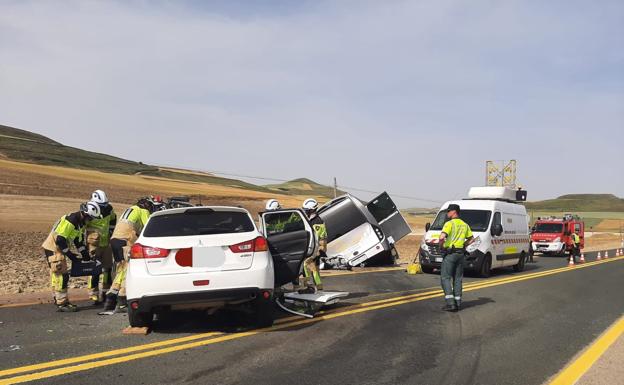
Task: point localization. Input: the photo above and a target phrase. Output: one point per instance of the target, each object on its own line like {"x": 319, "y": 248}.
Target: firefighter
{"x": 98, "y": 235}
{"x": 127, "y": 230}
{"x": 312, "y": 276}
{"x": 576, "y": 246}
{"x": 65, "y": 232}
{"x": 455, "y": 236}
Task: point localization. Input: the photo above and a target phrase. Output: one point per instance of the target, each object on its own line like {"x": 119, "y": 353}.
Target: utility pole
{"x": 335, "y": 188}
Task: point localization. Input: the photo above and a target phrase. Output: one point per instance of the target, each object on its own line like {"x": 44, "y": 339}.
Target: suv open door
{"x": 388, "y": 216}
{"x": 291, "y": 240}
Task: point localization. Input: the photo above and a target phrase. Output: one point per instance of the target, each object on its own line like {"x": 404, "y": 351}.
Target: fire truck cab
{"x": 554, "y": 235}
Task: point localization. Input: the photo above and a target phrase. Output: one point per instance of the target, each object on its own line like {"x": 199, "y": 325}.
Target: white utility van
{"x": 499, "y": 224}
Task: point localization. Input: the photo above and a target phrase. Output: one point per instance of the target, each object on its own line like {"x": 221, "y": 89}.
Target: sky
{"x": 411, "y": 97}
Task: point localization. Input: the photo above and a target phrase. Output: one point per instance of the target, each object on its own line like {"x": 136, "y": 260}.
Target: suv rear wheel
{"x": 263, "y": 311}
{"x": 139, "y": 319}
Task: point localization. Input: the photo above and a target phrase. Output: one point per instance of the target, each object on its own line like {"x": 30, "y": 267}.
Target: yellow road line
{"x": 360, "y": 308}
{"x": 573, "y": 372}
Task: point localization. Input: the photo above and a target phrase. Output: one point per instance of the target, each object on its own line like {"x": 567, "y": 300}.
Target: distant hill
{"x": 580, "y": 203}
{"x": 24, "y": 146}
{"x": 304, "y": 186}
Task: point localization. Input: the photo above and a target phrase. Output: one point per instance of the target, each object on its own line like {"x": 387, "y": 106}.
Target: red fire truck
{"x": 554, "y": 235}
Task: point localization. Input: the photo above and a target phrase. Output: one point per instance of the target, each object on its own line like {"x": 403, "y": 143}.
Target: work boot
{"x": 67, "y": 308}
{"x": 111, "y": 301}
{"x": 307, "y": 290}
{"x": 319, "y": 287}
{"x": 122, "y": 305}
{"x": 449, "y": 308}
{"x": 95, "y": 299}
{"x": 458, "y": 305}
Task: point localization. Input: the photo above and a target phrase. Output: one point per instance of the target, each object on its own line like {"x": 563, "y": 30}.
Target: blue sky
{"x": 408, "y": 96}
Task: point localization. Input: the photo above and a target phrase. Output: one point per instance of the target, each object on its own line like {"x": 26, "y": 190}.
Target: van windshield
{"x": 553, "y": 228}
{"x": 478, "y": 220}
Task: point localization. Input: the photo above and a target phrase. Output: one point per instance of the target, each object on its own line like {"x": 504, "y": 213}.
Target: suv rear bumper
{"x": 472, "y": 261}
{"x": 207, "y": 298}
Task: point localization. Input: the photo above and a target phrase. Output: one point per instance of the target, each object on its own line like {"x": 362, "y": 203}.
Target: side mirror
{"x": 427, "y": 226}
{"x": 497, "y": 230}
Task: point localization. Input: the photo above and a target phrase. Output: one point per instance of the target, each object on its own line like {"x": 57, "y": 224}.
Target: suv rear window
{"x": 198, "y": 222}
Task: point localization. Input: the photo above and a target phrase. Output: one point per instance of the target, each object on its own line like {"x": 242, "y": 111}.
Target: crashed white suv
{"x": 200, "y": 257}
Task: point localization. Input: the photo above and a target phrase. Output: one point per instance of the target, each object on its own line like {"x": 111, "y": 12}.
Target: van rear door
{"x": 291, "y": 239}
{"x": 388, "y": 216}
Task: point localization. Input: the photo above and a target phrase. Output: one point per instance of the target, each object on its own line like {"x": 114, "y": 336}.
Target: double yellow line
{"x": 117, "y": 356}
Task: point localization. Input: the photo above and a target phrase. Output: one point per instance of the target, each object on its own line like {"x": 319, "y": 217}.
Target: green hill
{"x": 580, "y": 203}
{"x": 304, "y": 186}
{"x": 25, "y": 146}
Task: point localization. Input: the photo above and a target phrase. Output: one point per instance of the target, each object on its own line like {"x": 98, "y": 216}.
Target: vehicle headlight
{"x": 474, "y": 245}
{"x": 558, "y": 239}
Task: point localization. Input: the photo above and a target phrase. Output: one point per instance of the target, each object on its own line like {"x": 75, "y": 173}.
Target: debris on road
{"x": 12, "y": 348}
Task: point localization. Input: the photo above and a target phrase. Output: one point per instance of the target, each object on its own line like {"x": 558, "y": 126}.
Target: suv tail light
{"x": 254, "y": 245}
{"x": 138, "y": 251}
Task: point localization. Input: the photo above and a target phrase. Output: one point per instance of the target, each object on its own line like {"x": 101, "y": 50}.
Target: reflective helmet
{"x": 99, "y": 196}
{"x": 310, "y": 204}
{"x": 272, "y": 204}
{"x": 91, "y": 209}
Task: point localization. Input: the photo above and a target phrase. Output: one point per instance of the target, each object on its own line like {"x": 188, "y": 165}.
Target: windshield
{"x": 198, "y": 222}
{"x": 554, "y": 228}
{"x": 478, "y": 220}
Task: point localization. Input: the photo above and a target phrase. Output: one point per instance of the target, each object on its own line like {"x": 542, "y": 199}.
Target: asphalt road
{"x": 515, "y": 328}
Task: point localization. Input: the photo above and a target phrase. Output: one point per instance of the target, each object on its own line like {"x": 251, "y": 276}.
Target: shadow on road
{"x": 476, "y": 302}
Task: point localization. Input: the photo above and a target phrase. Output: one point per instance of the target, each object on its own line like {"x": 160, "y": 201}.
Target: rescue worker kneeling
{"x": 312, "y": 280}
{"x": 98, "y": 236}
{"x": 65, "y": 232}
{"x": 127, "y": 230}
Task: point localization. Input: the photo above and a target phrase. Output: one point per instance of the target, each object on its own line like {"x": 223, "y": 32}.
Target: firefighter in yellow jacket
{"x": 65, "y": 232}
{"x": 98, "y": 236}
{"x": 127, "y": 230}
{"x": 311, "y": 272}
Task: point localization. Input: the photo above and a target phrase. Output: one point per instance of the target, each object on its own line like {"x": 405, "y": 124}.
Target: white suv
{"x": 200, "y": 257}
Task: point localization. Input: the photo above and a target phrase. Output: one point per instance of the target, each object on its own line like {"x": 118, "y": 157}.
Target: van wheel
{"x": 486, "y": 266}
{"x": 263, "y": 312}
{"x": 139, "y": 319}
{"x": 521, "y": 262}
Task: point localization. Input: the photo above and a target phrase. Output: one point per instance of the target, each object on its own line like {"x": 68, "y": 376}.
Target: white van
{"x": 499, "y": 224}
{"x": 360, "y": 233}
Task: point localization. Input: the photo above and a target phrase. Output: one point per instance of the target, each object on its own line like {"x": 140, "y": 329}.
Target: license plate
{"x": 208, "y": 257}
{"x": 438, "y": 259}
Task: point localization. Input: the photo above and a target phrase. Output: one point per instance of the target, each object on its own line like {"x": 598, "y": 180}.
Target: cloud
{"x": 407, "y": 96}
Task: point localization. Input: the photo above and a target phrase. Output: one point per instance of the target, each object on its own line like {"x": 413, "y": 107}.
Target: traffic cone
{"x": 571, "y": 263}
{"x": 582, "y": 258}
{"x": 598, "y": 257}
{"x": 606, "y": 254}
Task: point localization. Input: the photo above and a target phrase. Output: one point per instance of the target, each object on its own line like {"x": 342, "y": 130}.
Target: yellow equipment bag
{"x": 414, "y": 266}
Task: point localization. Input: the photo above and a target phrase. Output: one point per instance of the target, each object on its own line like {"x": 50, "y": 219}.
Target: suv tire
{"x": 139, "y": 319}
{"x": 263, "y": 312}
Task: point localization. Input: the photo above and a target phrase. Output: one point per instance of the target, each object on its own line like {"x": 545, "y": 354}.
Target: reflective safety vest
{"x": 130, "y": 223}
{"x": 457, "y": 231}
{"x": 103, "y": 225}
{"x": 576, "y": 239}
{"x": 66, "y": 229}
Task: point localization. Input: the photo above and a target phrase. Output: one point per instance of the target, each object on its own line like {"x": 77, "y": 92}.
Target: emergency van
{"x": 500, "y": 226}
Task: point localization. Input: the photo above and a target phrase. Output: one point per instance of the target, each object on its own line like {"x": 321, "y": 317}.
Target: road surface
{"x": 515, "y": 328}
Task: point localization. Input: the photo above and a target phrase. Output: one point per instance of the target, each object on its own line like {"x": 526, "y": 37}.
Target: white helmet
{"x": 99, "y": 196}
{"x": 272, "y": 204}
{"x": 92, "y": 209}
{"x": 310, "y": 204}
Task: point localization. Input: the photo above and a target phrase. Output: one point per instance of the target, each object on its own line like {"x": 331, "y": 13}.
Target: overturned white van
{"x": 360, "y": 233}
{"x": 500, "y": 227}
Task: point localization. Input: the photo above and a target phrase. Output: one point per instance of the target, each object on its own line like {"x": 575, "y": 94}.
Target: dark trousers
{"x": 451, "y": 277}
